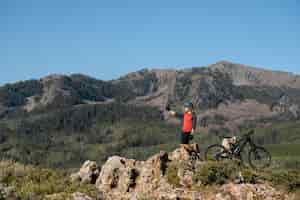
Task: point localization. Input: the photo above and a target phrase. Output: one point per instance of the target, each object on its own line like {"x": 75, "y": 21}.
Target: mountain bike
{"x": 258, "y": 157}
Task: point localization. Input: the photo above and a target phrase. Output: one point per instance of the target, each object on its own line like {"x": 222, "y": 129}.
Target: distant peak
{"x": 224, "y": 62}
{"x": 53, "y": 77}
{"x": 227, "y": 65}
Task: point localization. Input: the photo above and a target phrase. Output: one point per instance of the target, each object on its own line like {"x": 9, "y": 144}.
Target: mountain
{"x": 247, "y": 75}
{"x": 223, "y": 89}
{"x": 59, "y": 121}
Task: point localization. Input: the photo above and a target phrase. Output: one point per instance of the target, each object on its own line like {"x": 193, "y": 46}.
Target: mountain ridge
{"x": 77, "y": 117}
{"x": 207, "y": 87}
{"x": 240, "y": 74}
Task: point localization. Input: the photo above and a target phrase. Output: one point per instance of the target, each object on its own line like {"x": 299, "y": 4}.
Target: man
{"x": 189, "y": 123}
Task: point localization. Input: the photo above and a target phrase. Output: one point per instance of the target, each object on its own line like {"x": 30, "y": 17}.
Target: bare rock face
{"x": 164, "y": 88}
{"x": 7, "y": 193}
{"x": 88, "y": 173}
{"x": 249, "y": 192}
{"x": 181, "y": 154}
{"x": 246, "y": 75}
{"x": 118, "y": 173}
{"x": 122, "y": 178}
{"x": 127, "y": 179}
{"x": 80, "y": 196}
{"x": 55, "y": 94}
{"x": 185, "y": 174}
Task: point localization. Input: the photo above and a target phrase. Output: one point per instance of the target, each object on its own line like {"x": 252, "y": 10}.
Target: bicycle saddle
{"x": 227, "y": 137}
{"x": 251, "y": 132}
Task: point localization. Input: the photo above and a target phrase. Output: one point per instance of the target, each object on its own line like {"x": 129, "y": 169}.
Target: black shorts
{"x": 185, "y": 138}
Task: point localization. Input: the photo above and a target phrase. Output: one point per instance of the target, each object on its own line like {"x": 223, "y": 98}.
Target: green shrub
{"x": 216, "y": 172}
{"x": 250, "y": 176}
{"x": 172, "y": 173}
{"x": 290, "y": 180}
{"x": 35, "y": 183}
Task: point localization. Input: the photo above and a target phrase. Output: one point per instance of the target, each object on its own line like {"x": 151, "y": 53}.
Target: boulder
{"x": 88, "y": 173}
{"x": 123, "y": 178}
{"x": 127, "y": 179}
{"x": 73, "y": 196}
{"x": 183, "y": 153}
{"x": 8, "y": 193}
{"x": 250, "y": 192}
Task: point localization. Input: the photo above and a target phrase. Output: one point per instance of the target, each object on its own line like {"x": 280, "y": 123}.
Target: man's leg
{"x": 185, "y": 142}
{"x": 195, "y": 148}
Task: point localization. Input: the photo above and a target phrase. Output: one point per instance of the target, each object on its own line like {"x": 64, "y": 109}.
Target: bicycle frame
{"x": 241, "y": 144}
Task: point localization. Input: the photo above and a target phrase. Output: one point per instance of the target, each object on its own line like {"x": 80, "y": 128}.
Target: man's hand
{"x": 192, "y": 132}
{"x": 168, "y": 108}
{"x": 173, "y": 113}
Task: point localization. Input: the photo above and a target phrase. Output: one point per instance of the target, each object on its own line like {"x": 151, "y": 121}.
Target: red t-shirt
{"x": 187, "y": 122}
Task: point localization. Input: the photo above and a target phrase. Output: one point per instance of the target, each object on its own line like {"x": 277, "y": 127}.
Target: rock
{"x": 88, "y": 173}
{"x": 250, "y": 192}
{"x": 183, "y": 154}
{"x": 75, "y": 177}
{"x": 73, "y": 196}
{"x": 294, "y": 109}
{"x": 57, "y": 196}
{"x": 128, "y": 179}
{"x": 7, "y": 193}
{"x": 117, "y": 173}
{"x": 80, "y": 196}
{"x": 122, "y": 178}
{"x": 125, "y": 177}
{"x": 186, "y": 172}
{"x": 223, "y": 196}
{"x": 186, "y": 177}
{"x": 180, "y": 194}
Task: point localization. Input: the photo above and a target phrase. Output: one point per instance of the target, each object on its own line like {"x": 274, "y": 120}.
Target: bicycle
{"x": 258, "y": 157}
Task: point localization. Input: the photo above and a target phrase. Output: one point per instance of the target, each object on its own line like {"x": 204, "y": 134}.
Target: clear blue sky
{"x": 108, "y": 38}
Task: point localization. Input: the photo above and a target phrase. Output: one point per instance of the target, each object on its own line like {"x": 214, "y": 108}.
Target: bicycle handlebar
{"x": 251, "y": 132}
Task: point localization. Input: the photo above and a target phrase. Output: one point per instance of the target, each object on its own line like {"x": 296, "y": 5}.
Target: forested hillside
{"x": 61, "y": 121}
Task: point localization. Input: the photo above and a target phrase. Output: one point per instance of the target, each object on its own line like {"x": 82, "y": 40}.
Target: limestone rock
{"x": 80, "y": 196}
{"x": 88, "y": 173}
{"x": 7, "y": 193}
{"x": 250, "y": 192}
{"x": 127, "y": 179}
{"x": 122, "y": 178}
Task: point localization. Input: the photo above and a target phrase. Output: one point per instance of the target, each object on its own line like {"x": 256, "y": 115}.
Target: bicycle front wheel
{"x": 216, "y": 152}
{"x": 259, "y": 158}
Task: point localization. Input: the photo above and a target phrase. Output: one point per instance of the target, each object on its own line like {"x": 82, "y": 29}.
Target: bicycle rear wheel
{"x": 216, "y": 152}
{"x": 259, "y": 158}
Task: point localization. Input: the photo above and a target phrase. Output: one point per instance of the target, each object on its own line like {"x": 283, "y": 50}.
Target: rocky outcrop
{"x": 285, "y": 105}
{"x": 7, "y": 193}
{"x": 74, "y": 196}
{"x": 246, "y": 75}
{"x": 88, "y": 173}
{"x": 56, "y": 92}
{"x": 80, "y": 196}
{"x": 165, "y": 86}
{"x": 250, "y": 191}
{"x": 127, "y": 179}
